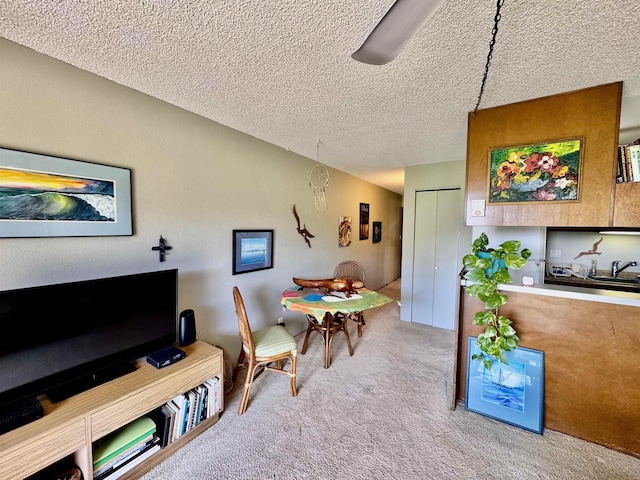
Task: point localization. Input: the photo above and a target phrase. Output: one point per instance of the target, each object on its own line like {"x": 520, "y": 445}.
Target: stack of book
{"x": 628, "y": 169}
{"x": 187, "y": 410}
{"x": 120, "y": 451}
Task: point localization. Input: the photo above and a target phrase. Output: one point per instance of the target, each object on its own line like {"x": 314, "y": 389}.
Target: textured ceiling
{"x": 281, "y": 70}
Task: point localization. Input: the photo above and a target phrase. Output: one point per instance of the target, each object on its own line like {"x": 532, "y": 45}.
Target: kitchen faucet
{"x": 615, "y": 270}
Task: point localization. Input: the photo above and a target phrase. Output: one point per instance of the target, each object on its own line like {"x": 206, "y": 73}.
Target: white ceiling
{"x": 281, "y": 70}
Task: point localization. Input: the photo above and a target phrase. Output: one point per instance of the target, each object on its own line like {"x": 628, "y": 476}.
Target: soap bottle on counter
{"x": 594, "y": 267}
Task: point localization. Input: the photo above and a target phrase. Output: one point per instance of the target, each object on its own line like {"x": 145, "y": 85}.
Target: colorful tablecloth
{"x": 316, "y": 302}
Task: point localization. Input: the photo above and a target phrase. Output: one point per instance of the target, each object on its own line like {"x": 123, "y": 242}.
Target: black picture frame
{"x": 377, "y": 232}
{"x": 87, "y": 199}
{"x": 364, "y": 221}
{"x": 252, "y": 250}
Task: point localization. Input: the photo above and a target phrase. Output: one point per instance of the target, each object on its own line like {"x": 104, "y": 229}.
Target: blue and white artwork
{"x": 253, "y": 250}
{"x": 511, "y": 392}
{"x": 504, "y": 385}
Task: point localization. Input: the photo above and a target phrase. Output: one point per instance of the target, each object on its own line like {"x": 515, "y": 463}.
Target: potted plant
{"x": 486, "y": 268}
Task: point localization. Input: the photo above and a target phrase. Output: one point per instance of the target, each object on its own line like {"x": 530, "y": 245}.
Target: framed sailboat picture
{"x": 511, "y": 392}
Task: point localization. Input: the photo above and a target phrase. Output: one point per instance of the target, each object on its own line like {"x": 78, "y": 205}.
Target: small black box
{"x": 166, "y": 356}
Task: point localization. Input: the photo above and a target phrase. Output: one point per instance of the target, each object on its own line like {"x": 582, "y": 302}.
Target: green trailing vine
{"x": 486, "y": 268}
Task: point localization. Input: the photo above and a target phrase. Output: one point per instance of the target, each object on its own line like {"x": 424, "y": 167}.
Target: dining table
{"x": 327, "y": 312}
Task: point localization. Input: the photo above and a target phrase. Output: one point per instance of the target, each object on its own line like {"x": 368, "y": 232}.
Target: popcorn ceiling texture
{"x": 281, "y": 70}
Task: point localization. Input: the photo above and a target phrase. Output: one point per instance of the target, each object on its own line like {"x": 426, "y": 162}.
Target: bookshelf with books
{"x": 627, "y": 188}
{"x": 628, "y": 167}
{"x": 71, "y": 428}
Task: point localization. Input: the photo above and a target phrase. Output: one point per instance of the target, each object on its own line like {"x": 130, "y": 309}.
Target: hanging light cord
{"x": 494, "y": 32}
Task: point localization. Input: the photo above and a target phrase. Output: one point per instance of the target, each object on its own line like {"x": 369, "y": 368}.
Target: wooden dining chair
{"x": 354, "y": 271}
{"x": 262, "y": 348}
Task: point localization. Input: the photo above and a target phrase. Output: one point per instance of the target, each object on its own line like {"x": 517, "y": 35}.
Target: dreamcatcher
{"x": 319, "y": 181}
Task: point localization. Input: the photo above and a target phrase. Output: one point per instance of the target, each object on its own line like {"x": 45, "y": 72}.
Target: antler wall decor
{"x": 306, "y": 234}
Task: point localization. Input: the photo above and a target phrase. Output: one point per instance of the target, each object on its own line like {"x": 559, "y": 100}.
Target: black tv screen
{"x": 69, "y": 335}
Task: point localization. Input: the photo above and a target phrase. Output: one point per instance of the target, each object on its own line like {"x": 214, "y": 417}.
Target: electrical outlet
{"x": 555, "y": 253}
{"x": 280, "y": 320}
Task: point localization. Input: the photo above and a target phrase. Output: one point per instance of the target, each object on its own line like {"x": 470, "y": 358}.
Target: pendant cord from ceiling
{"x": 492, "y": 43}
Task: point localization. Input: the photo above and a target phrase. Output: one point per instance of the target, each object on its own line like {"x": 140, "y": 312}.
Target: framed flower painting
{"x": 544, "y": 172}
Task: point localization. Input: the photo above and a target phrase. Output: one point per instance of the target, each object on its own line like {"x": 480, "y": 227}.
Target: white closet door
{"x": 423, "y": 257}
{"x": 439, "y": 227}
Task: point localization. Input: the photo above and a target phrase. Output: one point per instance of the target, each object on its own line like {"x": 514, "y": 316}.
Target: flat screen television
{"x": 64, "y": 338}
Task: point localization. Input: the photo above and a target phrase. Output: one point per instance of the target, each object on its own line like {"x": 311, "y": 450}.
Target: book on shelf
{"x": 633, "y": 154}
{"x": 130, "y": 464}
{"x": 204, "y": 403}
{"x": 162, "y": 417}
{"x": 184, "y": 419}
{"x": 200, "y": 389}
{"x": 216, "y": 403}
{"x": 628, "y": 166}
{"x": 112, "y": 445}
{"x": 193, "y": 406}
{"x": 210, "y": 395}
{"x": 172, "y": 411}
{"x": 181, "y": 405}
{"x": 187, "y": 410}
{"x": 123, "y": 458}
{"x": 621, "y": 176}
{"x": 175, "y": 424}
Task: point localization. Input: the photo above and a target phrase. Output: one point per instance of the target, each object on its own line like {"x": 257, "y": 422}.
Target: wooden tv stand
{"x": 69, "y": 427}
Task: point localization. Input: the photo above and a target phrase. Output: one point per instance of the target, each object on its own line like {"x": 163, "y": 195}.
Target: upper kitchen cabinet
{"x": 591, "y": 115}
{"x": 626, "y": 212}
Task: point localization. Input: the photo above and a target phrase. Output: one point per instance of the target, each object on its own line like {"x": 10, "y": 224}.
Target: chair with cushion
{"x": 262, "y": 348}
{"x": 354, "y": 271}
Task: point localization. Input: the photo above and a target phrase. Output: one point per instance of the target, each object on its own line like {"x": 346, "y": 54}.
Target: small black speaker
{"x": 187, "y": 333}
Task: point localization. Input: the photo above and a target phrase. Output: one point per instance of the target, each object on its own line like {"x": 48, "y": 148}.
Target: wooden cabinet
{"x": 625, "y": 211}
{"x": 592, "y": 362}
{"x": 592, "y": 114}
{"x": 68, "y": 428}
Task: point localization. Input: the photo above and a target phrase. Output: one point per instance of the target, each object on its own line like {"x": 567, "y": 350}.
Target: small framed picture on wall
{"x": 377, "y": 232}
{"x": 364, "y": 221}
{"x": 252, "y": 250}
{"x": 344, "y": 231}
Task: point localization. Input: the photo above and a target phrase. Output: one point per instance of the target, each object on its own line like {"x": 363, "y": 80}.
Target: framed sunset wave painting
{"x": 544, "y": 172}
{"x": 47, "y": 196}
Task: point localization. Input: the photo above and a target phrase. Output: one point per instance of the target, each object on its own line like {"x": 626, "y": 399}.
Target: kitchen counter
{"x": 570, "y": 289}
{"x": 591, "y": 347}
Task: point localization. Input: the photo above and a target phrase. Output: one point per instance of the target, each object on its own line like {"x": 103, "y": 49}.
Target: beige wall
{"x": 194, "y": 181}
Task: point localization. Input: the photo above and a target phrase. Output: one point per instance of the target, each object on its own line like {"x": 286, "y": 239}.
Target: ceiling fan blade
{"x": 394, "y": 30}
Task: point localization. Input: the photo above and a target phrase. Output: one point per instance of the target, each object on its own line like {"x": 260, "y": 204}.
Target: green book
{"x": 122, "y": 439}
